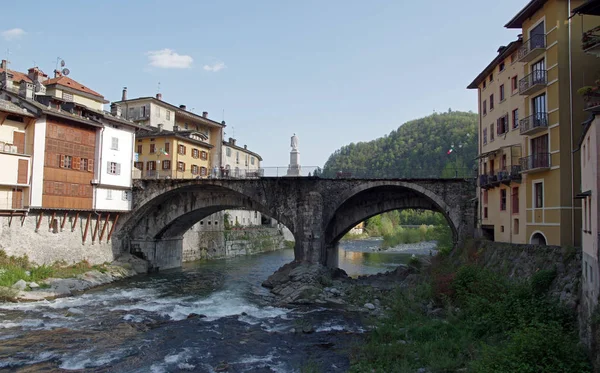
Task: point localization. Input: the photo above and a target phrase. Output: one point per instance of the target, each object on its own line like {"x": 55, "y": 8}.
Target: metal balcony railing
{"x": 533, "y": 123}
{"x": 532, "y": 82}
{"x": 536, "y": 162}
{"x": 532, "y": 48}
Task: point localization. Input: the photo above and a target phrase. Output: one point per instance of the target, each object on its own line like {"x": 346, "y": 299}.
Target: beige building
{"x": 501, "y": 212}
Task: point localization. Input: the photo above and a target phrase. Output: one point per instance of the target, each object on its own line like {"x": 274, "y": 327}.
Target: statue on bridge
{"x": 294, "y": 143}
{"x": 294, "y": 167}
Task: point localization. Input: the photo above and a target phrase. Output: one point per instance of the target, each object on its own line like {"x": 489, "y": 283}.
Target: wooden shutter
{"x": 62, "y": 161}
{"x": 23, "y": 165}
{"x": 17, "y": 198}
{"x": 90, "y": 165}
{"x": 76, "y": 163}
{"x": 148, "y": 166}
{"x": 19, "y": 141}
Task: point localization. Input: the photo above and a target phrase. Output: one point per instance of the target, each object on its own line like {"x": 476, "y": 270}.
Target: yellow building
{"x": 554, "y": 68}
{"x": 501, "y": 192}
{"x": 173, "y": 154}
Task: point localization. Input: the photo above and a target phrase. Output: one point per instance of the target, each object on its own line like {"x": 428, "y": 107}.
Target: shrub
{"x": 542, "y": 280}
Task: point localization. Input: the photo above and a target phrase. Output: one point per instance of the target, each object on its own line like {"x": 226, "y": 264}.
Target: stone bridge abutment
{"x": 317, "y": 211}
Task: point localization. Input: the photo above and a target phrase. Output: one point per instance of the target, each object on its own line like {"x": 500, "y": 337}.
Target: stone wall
{"x": 51, "y": 243}
{"x": 224, "y": 244}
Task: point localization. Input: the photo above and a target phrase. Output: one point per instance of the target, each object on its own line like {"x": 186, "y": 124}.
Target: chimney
{"x": 57, "y": 74}
{"x": 183, "y": 107}
{"x": 205, "y": 114}
{"x": 159, "y": 96}
{"x": 245, "y": 146}
{"x": 124, "y": 95}
{"x": 231, "y": 141}
{"x": 175, "y": 128}
{"x": 160, "y": 127}
{"x": 3, "y": 64}
{"x": 115, "y": 109}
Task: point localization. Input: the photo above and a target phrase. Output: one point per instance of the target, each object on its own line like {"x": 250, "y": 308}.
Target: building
{"x": 173, "y": 130}
{"x": 589, "y": 151}
{"x": 501, "y": 195}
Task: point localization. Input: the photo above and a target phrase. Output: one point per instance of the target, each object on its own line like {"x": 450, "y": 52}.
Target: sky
{"x": 331, "y": 71}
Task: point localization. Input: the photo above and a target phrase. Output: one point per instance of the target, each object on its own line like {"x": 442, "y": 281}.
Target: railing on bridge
{"x": 315, "y": 171}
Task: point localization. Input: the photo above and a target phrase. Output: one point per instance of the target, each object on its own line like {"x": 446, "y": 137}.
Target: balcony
{"x": 532, "y": 48}
{"x": 536, "y": 162}
{"x": 533, "y": 124}
{"x": 590, "y": 41}
{"x": 533, "y": 82}
{"x": 504, "y": 176}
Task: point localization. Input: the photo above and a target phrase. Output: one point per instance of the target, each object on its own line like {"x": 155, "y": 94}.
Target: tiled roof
{"x": 68, "y": 82}
{"x": 17, "y": 76}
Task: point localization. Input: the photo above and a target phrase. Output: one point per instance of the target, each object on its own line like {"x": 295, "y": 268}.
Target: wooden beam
{"x": 62, "y": 225}
{"x": 23, "y": 219}
{"x": 104, "y": 227}
{"x": 75, "y": 222}
{"x": 10, "y": 218}
{"x": 39, "y": 222}
{"x": 87, "y": 225}
{"x": 52, "y": 220}
{"x": 110, "y": 232}
{"x": 95, "y": 232}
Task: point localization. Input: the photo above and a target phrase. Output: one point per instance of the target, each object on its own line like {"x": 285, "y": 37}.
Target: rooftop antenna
{"x": 8, "y": 53}
{"x": 158, "y": 88}
{"x": 223, "y": 119}
{"x": 233, "y": 130}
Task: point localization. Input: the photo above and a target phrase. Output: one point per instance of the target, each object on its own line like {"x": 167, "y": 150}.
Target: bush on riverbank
{"x": 484, "y": 323}
{"x": 13, "y": 269}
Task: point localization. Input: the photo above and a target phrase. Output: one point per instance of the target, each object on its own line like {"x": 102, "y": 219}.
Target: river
{"x": 141, "y": 324}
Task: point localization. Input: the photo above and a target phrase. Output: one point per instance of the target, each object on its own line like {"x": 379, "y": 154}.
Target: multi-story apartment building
{"x": 555, "y": 68}
{"x": 501, "y": 213}
{"x": 161, "y": 117}
{"x": 589, "y": 151}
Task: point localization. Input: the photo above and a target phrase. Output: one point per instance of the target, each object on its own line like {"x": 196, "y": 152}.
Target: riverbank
{"x": 33, "y": 286}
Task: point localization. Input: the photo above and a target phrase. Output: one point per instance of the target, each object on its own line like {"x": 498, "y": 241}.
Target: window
{"x": 167, "y": 148}
{"x": 139, "y": 149}
{"x": 194, "y": 153}
{"x": 166, "y": 165}
{"x": 502, "y": 92}
{"x": 503, "y": 200}
{"x": 492, "y": 132}
{"x": 67, "y": 96}
{"x": 113, "y": 168}
{"x": 194, "y": 170}
{"x": 485, "y": 212}
{"x": 203, "y": 171}
{"x": 491, "y": 102}
{"x": 515, "y": 118}
{"x": 152, "y": 148}
{"x": 484, "y": 107}
{"x": 126, "y": 195}
{"x": 516, "y": 226}
{"x": 491, "y": 77}
{"x": 503, "y": 162}
{"x": 151, "y": 166}
{"x": 514, "y": 83}
{"x": 502, "y": 228}
{"x": 109, "y": 194}
{"x": 252, "y": 160}
{"x": 539, "y": 195}
{"x": 114, "y": 143}
{"x": 181, "y": 150}
{"x": 237, "y": 157}
{"x": 203, "y": 155}
{"x": 502, "y": 125}
{"x": 66, "y": 161}
{"x": 501, "y": 67}
{"x": 139, "y": 165}
{"x": 83, "y": 164}
{"x": 485, "y": 136}
{"x": 143, "y": 111}
{"x": 180, "y": 166}
{"x": 228, "y": 152}
{"x": 485, "y": 197}
{"x": 539, "y": 152}
{"x": 515, "y": 200}
{"x": 168, "y": 115}
{"x": 484, "y": 84}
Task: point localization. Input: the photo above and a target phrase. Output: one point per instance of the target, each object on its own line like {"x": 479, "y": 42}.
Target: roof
{"x": 507, "y": 51}
{"x": 591, "y": 7}
{"x": 68, "y": 82}
{"x": 226, "y": 143}
{"x": 9, "y": 107}
{"x": 176, "y": 109}
{"x": 528, "y": 11}
{"x": 18, "y": 76}
{"x": 165, "y": 133}
{"x": 586, "y": 126}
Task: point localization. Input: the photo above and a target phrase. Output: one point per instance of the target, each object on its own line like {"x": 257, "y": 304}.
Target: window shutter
{"x": 62, "y": 161}
{"x": 118, "y": 169}
{"x": 90, "y": 165}
{"x": 108, "y": 167}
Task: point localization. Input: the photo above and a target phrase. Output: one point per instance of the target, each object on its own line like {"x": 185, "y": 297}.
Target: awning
{"x": 592, "y": 7}
{"x": 583, "y": 195}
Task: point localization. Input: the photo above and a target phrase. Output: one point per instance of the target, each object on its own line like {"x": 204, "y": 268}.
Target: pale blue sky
{"x": 333, "y": 72}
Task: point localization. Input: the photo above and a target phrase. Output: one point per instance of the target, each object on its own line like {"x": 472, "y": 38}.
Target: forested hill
{"x": 418, "y": 148}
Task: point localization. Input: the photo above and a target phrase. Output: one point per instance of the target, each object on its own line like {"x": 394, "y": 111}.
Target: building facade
{"x": 500, "y": 191}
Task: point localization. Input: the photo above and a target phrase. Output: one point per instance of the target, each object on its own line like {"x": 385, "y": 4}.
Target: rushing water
{"x": 142, "y": 324}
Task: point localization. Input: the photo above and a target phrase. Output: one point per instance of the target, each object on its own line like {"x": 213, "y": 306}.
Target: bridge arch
{"x": 370, "y": 199}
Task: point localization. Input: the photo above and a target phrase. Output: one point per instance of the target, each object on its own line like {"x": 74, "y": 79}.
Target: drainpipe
{"x": 571, "y": 127}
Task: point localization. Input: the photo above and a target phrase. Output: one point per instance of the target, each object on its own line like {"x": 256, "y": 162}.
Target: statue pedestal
{"x": 294, "y": 167}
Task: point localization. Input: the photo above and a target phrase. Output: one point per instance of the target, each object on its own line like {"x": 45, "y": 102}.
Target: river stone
{"x": 20, "y": 285}
{"x": 369, "y": 306}
{"x": 33, "y": 285}
{"x": 128, "y": 260}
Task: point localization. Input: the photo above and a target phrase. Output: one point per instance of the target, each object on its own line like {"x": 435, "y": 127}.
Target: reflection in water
{"x": 360, "y": 258}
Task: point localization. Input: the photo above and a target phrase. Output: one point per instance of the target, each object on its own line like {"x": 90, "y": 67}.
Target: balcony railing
{"x": 532, "y": 48}
{"x": 536, "y": 162}
{"x": 590, "y": 41}
{"x": 534, "y": 123}
{"x": 505, "y": 176}
{"x": 533, "y": 82}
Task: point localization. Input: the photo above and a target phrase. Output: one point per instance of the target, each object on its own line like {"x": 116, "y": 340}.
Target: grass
{"x": 13, "y": 269}
{"x": 489, "y": 324}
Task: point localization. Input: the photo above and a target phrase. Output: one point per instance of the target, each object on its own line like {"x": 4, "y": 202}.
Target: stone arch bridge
{"x": 317, "y": 211}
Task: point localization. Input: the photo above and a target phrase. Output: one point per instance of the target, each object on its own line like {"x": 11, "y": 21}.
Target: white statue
{"x": 294, "y": 143}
